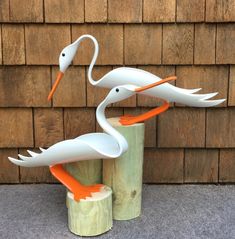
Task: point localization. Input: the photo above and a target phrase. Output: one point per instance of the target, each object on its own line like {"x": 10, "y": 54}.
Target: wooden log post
{"x": 87, "y": 172}
{"x": 124, "y": 174}
{"x": 91, "y": 216}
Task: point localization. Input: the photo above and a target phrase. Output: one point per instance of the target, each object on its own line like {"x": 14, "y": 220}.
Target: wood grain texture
{"x": 35, "y": 174}
{"x": 90, "y": 217}
{"x": 48, "y": 126}
{"x": 129, "y": 11}
{"x": 163, "y": 166}
{"x": 1, "y": 46}
{"x": 159, "y": 10}
{"x": 209, "y": 78}
{"x": 16, "y": 127}
{"x": 143, "y": 44}
{"x": 96, "y": 10}
{"x": 190, "y": 10}
{"x": 87, "y": 172}
{"x": 95, "y": 95}
{"x": 45, "y": 42}
{"x": 27, "y": 86}
{"x": 78, "y": 121}
{"x": 178, "y": 44}
{"x": 124, "y": 174}
{"x": 71, "y": 91}
{"x": 26, "y": 10}
{"x": 60, "y": 11}
{"x": 13, "y": 44}
{"x": 150, "y": 136}
{"x": 4, "y": 11}
{"x": 178, "y": 126}
{"x": 231, "y": 98}
{"x": 220, "y": 10}
{"x": 201, "y": 165}
{"x": 110, "y": 38}
{"x": 227, "y": 165}
{"x": 9, "y": 172}
{"x": 205, "y": 37}
{"x": 225, "y": 48}
{"x": 160, "y": 71}
{"x": 220, "y": 128}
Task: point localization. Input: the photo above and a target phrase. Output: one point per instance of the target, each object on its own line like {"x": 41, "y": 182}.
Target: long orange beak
{"x": 140, "y": 89}
{"x": 58, "y": 79}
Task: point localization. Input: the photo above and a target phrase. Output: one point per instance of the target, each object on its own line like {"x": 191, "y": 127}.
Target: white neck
{"x": 100, "y": 115}
{"x": 96, "y": 52}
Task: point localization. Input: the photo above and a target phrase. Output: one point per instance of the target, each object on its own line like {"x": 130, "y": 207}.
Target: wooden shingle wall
{"x": 193, "y": 39}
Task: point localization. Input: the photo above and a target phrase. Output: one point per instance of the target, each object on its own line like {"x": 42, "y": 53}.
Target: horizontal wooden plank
{"x": 220, "y": 128}
{"x": 48, "y": 126}
{"x": 71, "y": 91}
{"x": 150, "y": 126}
{"x": 9, "y": 172}
{"x": 209, "y": 78}
{"x": 45, "y": 42}
{"x": 205, "y": 38}
{"x": 159, "y": 10}
{"x": 163, "y": 166}
{"x": 13, "y": 44}
{"x": 24, "y": 86}
{"x": 96, "y": 10}
{"x": 35, "y": 174}
{"x": 201, "y": 165}
{"x": 225, "y": 48}
{"x": 178, "y": 43}
{"x": 26, "y": 10}
{"x": 79, "y": 121}
{"x": 178, "y": 126}
{"x": 227, "y": 166}
{"x": 110, "y": 39}
{"x": 16, "y": 127}
{"x": 190, "y": 10}
{"x": 220, "y": 11}
{"x": 61, "y": 11}
{"x": 145, "y": 50}
{"x": 129, "y": 11}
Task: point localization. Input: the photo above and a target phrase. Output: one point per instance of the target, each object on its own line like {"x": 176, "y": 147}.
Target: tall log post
{"x": 124, "y": 174}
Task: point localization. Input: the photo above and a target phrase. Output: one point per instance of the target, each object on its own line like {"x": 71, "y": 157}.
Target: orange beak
{"x": 140, "y": 89}
{"x": 58, "y": 79}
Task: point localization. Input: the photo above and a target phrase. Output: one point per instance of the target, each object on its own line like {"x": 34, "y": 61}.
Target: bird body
{"x": 133, "y": 76}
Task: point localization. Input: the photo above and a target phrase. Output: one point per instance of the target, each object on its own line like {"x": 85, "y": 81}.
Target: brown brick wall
{"x": 193, "y": 39}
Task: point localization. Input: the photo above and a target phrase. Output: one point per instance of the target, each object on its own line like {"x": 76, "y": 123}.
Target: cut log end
{"x": 91, "y": 216}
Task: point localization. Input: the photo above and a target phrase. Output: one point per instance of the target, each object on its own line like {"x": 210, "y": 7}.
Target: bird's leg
{"x": 145, "y": 116}
{"x": 80, "y": 191}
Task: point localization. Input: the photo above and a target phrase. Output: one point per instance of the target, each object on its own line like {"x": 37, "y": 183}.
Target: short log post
{"x": 124, "y": 174}
{"x": 91, "y": 216}
{"x": 87, "y": 172}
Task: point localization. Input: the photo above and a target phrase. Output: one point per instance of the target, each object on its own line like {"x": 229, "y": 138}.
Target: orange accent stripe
{"x": 140, "y": 89}
{"x": 58, "y": 79}
{"x": 140, "y": 118}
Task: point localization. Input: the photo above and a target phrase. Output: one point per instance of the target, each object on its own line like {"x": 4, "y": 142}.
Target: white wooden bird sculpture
{"x": 110, "y": 144}
{"x": 138, "y": 77}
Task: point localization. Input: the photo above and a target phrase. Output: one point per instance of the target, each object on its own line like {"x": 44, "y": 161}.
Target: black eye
{"x": 117, "y": 90}
{"x": 63, "y": 54}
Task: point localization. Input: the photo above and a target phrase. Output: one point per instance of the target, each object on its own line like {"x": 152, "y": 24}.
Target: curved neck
{"x": 95, "y": 55}
{"x": 100, "y": 115}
